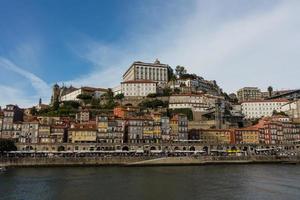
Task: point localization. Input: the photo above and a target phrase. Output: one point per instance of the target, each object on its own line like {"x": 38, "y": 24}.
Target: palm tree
{"x": 270, "y": 90}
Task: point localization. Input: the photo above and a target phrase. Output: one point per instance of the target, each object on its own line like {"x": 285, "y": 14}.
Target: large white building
{"x": 196, "y": 102}
{"x": 72, "y": 96}
{"x": 138, "y": 88}
{"x": 147, "y": 71}
{"x": 261, "y": 108}
{"x": 292, "y": 109}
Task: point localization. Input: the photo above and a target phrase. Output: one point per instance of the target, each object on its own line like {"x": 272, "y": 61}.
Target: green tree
{"x": 152, "y": 95}
{"x": 270, "y": 90}
{"x": 155, "y": 103}
{"x": 119, "y": 96}
{"x": 109, "y": 99}
{"x": 180, "y": 70}
{"x": 33, "y": 110}
{"x": 55, "y": 105}
{"x": 166, "y": 91}
{"x": 84, "y": 96}
{"x": 188, "y": 76}
{"x": 7, "y": 145}
{"x": 95, "y": 103}
{"x": 176, "y": 90}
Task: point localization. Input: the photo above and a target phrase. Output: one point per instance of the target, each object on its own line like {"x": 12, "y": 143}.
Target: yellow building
{"x": 83, "y": 135}
{"x": 250, "y": 136}
{"x": 44, "y": 134}
{"x": 174, "y": 128}
{"x": 157, "y": 125}
{"x": 215, "y": 136}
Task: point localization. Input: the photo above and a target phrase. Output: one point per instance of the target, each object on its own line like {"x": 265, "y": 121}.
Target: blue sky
{"x": 238, "y": 43}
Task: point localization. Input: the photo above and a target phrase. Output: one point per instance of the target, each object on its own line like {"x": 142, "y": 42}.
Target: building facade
{"x": 156, "y": 72}
{"x": 248, "y": 93}
{"x": 196, "y": 102}
{"x": 292, "y": 109}
{"x": 138, "y": 88}
{"x": 11, "y": 115}
{"x": 261, "y": 108}
{"x": 83, "y": 133}
{"x": 94, "y": 92}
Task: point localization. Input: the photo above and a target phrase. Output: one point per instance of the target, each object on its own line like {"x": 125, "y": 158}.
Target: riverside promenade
{"x": 143, "y": 161}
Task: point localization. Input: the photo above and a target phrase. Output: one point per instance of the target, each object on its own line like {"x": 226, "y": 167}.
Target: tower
{"x": 219, "y": 109}
{"x": 55, "y": 93}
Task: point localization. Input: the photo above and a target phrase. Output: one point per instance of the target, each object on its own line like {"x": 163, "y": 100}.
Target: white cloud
{"x": 247, "y": 50}
{"x": 12, "y": 94}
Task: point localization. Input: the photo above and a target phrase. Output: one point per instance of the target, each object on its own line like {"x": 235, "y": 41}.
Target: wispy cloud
{"x": 236, "y": 51}
{"x": 11, "y": 95}
{"x": 41, "y": 87}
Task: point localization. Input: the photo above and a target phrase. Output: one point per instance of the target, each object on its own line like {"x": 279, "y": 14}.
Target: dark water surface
{"x": 143, "y": 183}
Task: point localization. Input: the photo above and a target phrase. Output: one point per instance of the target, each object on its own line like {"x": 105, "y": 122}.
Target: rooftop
{"x": 155, "y": 64}
{"x": 139, "y": 81}
{"x": 267, "y": 100}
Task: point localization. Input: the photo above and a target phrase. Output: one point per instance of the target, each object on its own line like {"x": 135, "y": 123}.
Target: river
{"x": 269, "y": 181}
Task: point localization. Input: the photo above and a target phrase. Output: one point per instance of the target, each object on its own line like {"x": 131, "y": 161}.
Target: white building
{"x": 138, "y": 88}
{"x": 147, "y": 71}
{"x": 261, "y": 108}
{"x": 196, "y": 102}
{"x": 117, "y": 90}
{"x": 72, "y": 96}
{"x": 292, "y": 109}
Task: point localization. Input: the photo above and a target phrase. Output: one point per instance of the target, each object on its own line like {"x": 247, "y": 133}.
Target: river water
{"x": 143, "y": 183}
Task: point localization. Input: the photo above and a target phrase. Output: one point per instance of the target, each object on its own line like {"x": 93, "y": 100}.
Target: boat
{"x": 2, "y": 169}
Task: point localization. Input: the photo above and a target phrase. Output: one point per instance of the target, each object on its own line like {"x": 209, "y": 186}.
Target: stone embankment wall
{"x": 141, "y": 161}
{"x": 68, "y": 161}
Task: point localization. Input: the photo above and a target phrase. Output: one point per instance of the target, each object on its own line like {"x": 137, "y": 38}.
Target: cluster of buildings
{"x": 256, "y": 104}
{"x": 276, "y": 130}
{"x": 142, "y": 79}
{"x": 218, "y": 118}
{"x": 123, "y": 127}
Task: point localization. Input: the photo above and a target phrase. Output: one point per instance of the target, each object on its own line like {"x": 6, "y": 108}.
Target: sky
{"x": 238, "y": 43}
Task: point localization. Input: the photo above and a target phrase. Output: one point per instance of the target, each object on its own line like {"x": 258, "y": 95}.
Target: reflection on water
{"x": 182, "y": 183}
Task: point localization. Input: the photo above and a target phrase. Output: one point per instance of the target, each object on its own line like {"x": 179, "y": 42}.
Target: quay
{"x": 153, "y": 160}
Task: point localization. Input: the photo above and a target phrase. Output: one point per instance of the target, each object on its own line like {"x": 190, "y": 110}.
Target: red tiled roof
{"x": 268, "y": 100}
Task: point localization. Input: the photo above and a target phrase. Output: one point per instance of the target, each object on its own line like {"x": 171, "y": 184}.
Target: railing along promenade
{"x": 125, "y": 160}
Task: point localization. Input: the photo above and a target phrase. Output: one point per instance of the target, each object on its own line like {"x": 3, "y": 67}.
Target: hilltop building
{"x": 156, "y": 72}
{"x": 194, "y": 83}
{"x": 94, "y": 92}
{"x": 138, "y": 88}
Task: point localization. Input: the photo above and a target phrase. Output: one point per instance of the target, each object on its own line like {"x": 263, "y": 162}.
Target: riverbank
{"x": 141, "y": 161}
